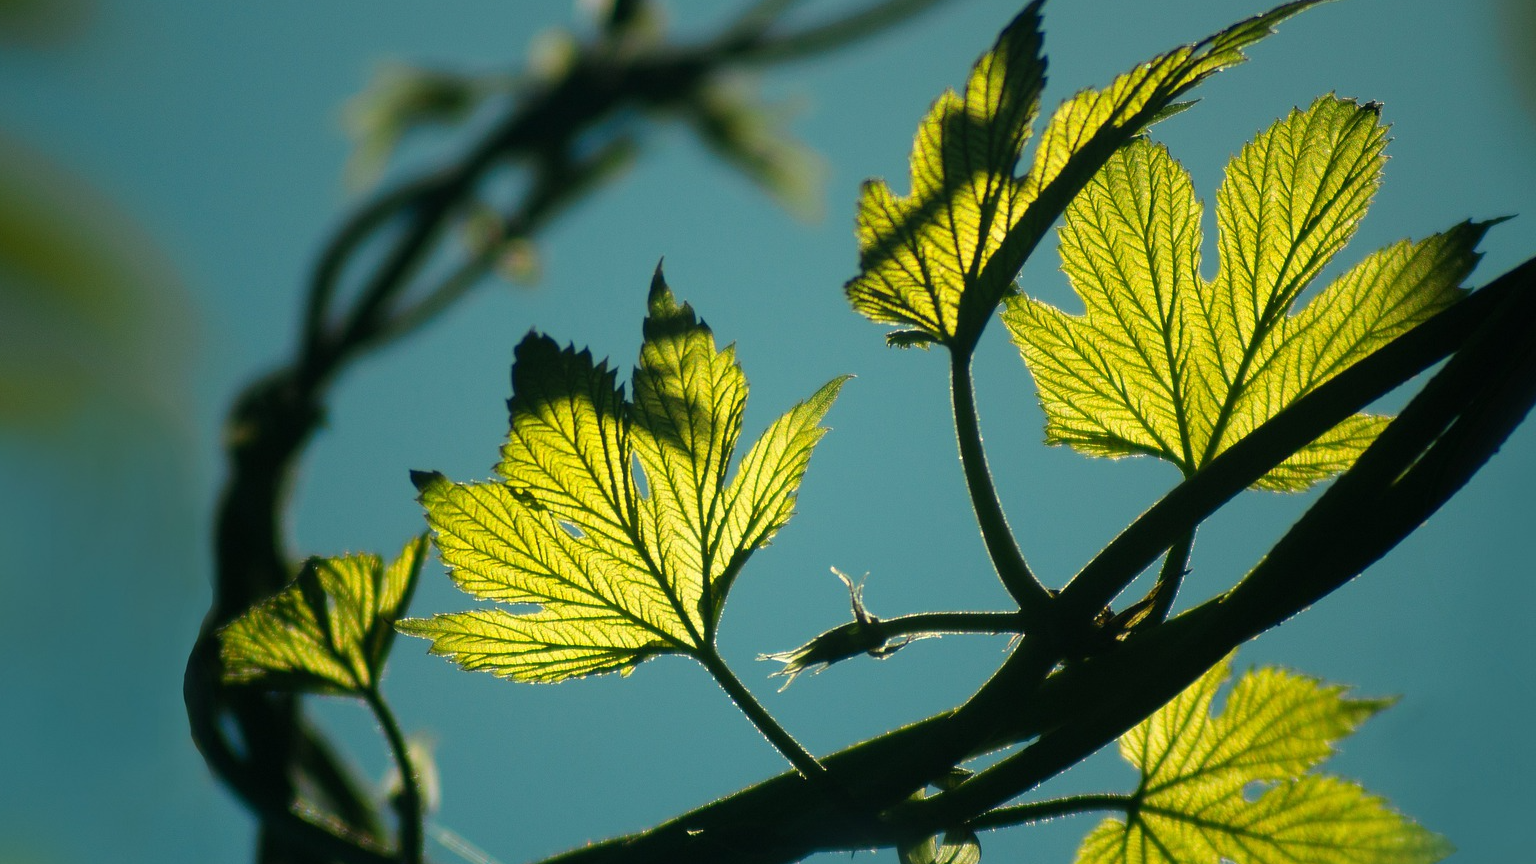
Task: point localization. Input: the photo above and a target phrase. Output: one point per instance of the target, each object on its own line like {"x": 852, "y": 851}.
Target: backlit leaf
{"x": 1240, "y": 787}
{"x": 937, "y": 261}
{"x": 1165, "y": 363}
{"x": 613, "y": 516}
{"x": 330, "y": 630}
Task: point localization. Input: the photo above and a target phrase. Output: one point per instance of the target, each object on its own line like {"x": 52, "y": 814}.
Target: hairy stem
{"x": 944, "y": 623}
{"x": 1022, "y": 814}
{"x": 1034, "y": 601}
{"x": 408, "y": 804}
{"x": 777, "y": 735}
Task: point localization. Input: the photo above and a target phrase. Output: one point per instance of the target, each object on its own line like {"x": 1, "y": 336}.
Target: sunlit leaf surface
{"x": 614, "y": 516}
{"x": 937, "y": 261}
{"x": 1239, "y": 786}
{"x": 1165, "y": 363}
{"x": 330, "y": 630}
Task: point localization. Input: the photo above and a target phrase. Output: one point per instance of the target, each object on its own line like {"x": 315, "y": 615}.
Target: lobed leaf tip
{"x": 664, "y": 315}
{"x": 532, "y": 343}
{"x": 420, "y": 627}
{"x": 422, "y": 479}
{"x": 1029, "y": 15}
{"x": 659, "y": 287}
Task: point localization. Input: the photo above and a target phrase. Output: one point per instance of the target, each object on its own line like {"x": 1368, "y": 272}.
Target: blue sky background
{"x": 217, "y": 128}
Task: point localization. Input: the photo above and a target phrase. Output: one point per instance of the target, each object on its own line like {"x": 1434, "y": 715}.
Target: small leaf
{"x": 939, "y": 260}
{"x": 955, "y": 846}
{"x": 960, "y": 846}
{"x": 1195, "y": 769}
{"x": 614, "y": 516}
{"x": 329, "y": 630}
{"x": 735, "y": 123}
{"x": 1165, "y": 363}
{"x": 398, "y": 99}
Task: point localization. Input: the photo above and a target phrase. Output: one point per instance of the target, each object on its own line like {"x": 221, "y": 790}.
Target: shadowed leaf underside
{"x": 937, "y": 262}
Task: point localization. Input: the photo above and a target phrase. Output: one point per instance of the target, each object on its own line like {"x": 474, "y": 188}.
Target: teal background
{"x": 216, "y": 126}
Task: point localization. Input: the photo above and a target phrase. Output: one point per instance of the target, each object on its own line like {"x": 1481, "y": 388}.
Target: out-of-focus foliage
{"x": 1519, "y": 36}
{"x": 400, "y": 99}
{"x": 90, "y": 310}
{"x": 42, "y": 23}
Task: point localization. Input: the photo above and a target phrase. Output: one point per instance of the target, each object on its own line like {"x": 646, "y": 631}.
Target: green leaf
{"x": 955, "y": 846}
{"x": 959, "y": 846}
{"x": 1197, "y": 804}
{"x": 614, "y": 517}
{"x": 1165, "y": 363}
{"x": 939, "y": 260}
{"x": 329, "y": 630}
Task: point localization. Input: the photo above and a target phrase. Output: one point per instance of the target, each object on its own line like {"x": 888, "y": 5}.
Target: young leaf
{"x": 1165, "y": 363}
{"x": 1196, "y": 800}
{"x": 955, "y": 846}
{"x": 329, "y": 630}
{"x": 937, "y": 262}
{"x": 614, "y": 516}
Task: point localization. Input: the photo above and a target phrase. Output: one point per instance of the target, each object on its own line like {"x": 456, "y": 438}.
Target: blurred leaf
{"x": 750, "y": 135}
{"x": 89, "y": 307}
{"x": 419, "y": 750}
{"x": 1517, "y": 29}
{"x": 399, "y": 99}
{"x": 43, "y": 23}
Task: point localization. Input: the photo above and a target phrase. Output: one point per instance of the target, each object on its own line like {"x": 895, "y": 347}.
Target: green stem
{"x": 870, "y": 635}
{"x": 941, "y": 623}
{"x": 408, "y": 806}
{"x": 777, "y": 735}
{"x": 1021, "y": 814}
{"x": 1033, "y": 599}
{"x": 1168, "y": 579}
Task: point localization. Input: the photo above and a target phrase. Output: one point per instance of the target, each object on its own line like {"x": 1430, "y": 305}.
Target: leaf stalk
{"x": 1033, "y": 599}
{"x": 777, "y": 735}
{"x": 1039, "y": 811}
{"x": 408, "y": 805}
